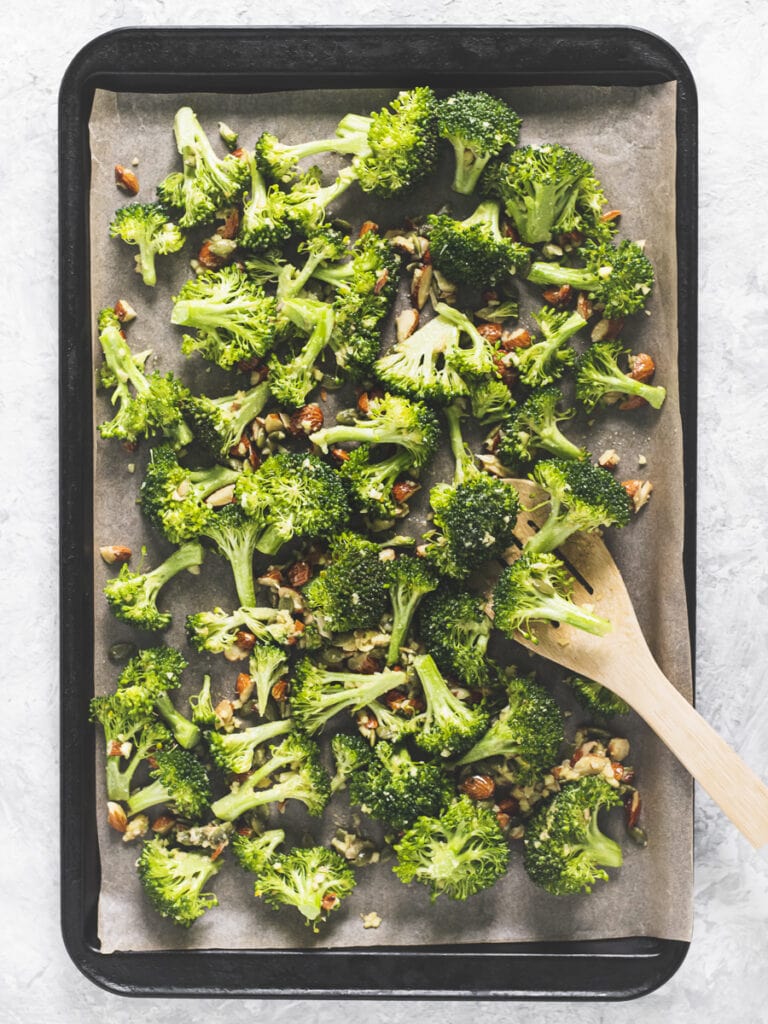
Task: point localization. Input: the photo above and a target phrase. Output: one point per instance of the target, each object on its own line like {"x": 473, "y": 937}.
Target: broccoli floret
{"x": 534, "y": 428}
{"x": 132, "y": 596}
{"x": 582, "y": 497}
{"x": 474, "y": 355}
{"x": 370, "y": 482}
{"x": 267, "y": 665}
{"x": 255, "y": 851}
{"x": 234, "y": 318}
{"x": 293, "y": 494}
{"x": 371, "y": 269}
{"x": 548, "y": 190}
{"x": 131, "y": 734}
{"x": 217, "y": 631}
{"x": 565, "y": 851}
{"x": 349, "y": 593}
{"x": 475, "y": 516}
{"x": 423, "y": 365}
{"x": 620, "y": 277}
{"x": 491, "y": 401}
{"x": 410, "y": 579}
{"x": 174, "y": 498}
{"x": 174, "y": 879}
{"x": 207, "y": 183}
{"x": 478, "y": 126}
{"x": 448, "y": 726}
{"x": 391, "y": 149}
{"x": 180, "y": 781}
{"x": 148, "y": 677}
{"x": 538, "y": 588}
{"x": 458, "y": 854}
{"x": 474, "y": 251}
{"x": 397, "y": 790}
{"x": 545, "y": 360}
{"x": 390, "y": 420}
{"x": 203, "y": 713}
{"x": 319, "y": 693}
{"x": 298, "y": 775}
{"x": 597, "y": 699}
{"x": 395, "y": 724}
{"x": 528, "y": 730}
{"x": 219, "y": 423}
{"x": 351, "y": 754}
{"x": 148, "y": 226}
{"x": 153, "y": 406}
{"x": 313, "y": 879}
{"x": 290, "y": 382}
{"x": 234, "y": 751}
{"x": 263, "y": 224}
{"x": 306, "y": 203}
{"x": 598, "y": 375}
{"x": 455, "y": 630}
{"x": 235, "y": 536}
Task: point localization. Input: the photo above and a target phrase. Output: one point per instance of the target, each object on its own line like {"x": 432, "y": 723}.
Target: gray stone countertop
{"x": 724, "y": 975}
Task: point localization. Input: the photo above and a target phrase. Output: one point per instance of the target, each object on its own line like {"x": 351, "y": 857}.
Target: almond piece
{"x": 406, "y": 323}
{"x": 116, "y": 817}
{"x": 126, "y": 180}
{"x": 115, "y": 554}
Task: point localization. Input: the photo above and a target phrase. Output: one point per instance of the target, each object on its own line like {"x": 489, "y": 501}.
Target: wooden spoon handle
{"x": 732, "y": 785}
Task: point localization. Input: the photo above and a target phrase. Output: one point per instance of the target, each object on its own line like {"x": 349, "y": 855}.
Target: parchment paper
{"x": 629, "y": 135}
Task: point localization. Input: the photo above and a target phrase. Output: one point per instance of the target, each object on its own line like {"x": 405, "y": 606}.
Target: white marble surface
{"x": 725, "y": 43}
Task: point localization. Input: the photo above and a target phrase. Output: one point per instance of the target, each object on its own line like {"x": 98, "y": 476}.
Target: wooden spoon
{"x": 622, "y": 661}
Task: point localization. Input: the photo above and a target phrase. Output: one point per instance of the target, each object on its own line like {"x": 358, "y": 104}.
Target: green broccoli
{"x": 478, "y": 126}
{"x": 174, "y": 879}
{"x": 598, "y": 700}
{"x": 313, "y": 879}
{"x": 547, "y": 359}
{"x": 397, "y": 790}
{"x": 619, "y": 278}
{"x": 263, "y": 223}
{"x": 147, "y": 679}
{"x": 131, "y": 734}
{"x": 582, "y": 497}
{"x": 299, "y": 775}
{"x": 474, "y": 251}
{"x": 291, "y": 381}
{"x": 410, "y": 579}
{"x": 548, "y": 190}
{"x": 423, "y": 366}
{"x": 203, "y": 713}
{"x": 475, "y": 516}
{"x": 148, "y": 226}
{"x": 565, "y": 851}
{"x": 306, "y": 204}
{"x": 234, "y": 751}
{"x": 255, "y": 850}
{"x": 391, "y": 149}
{"x": 132, "y": 596}
{"x": 351, "y": 754}
{"x": 219, "y": 423}
{"x": 217, "y": 632}
{"x": 267, "y": 665}
{"x": 534, "y": 428}
{"x": 448, "y": 726}
{"x": 236, "y": 537}
{"x": 234, "y": 317}
{"x": 457, "y": 854}
{"x": 370, "y": 481}
{"x": 538, "y": 588}
{"x": 474, "y": 356}
{"x": 319, "y": 693}
{"x": 180, "y": 781}
{"x": 153, "y": 406}
{"x": 528, "y": 730}
{"x": 207, "y": 183}
{"x": 598, "y": 377}
{"x": 293, "y": 494}
{"x": 390, "y": 420}
{"x": 455, "y": 630}
{"x": 173, "y": 497}
{"x": 490, "y": 400}
{"x": 349, "y": 593}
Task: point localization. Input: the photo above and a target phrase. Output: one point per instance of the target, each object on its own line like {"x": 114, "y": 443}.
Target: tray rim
{"x": 166, "y": 59}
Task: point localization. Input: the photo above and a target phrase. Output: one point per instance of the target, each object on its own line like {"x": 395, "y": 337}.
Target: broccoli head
{"x": 423, "y": 366}
{"x": 448, "y": 726}
{"x": 132, "y": 596}
{"x": 313, "y": 879}
{"x": 132, "y": 733}
{"x": 174, "y": 880}
{"x": 455, "y": 629}
{"x": 598, "y": 700}
{"x": 351, "y": 754}
{"x": 219, "y": 423}
{"x": 565, "y": 851}
{"x": 180, "y": 781}
{"x": 475, "y": 251}
{"x": 319, "y": 693}
{"x": 147, "y": 226}
{"x": 218, "y": 632}
{"x": 533, "y": 428}
{"x": 547, "y": 358}
{"x": 538, "y": 588}
{"x": 263, "y": 222}
{"x": 582, "y": 497}
{"x": 370, "y": 481}
{"x": 396, "y": 789}
{"x": 349, "y": 593}
{"x": 599, "y": 378}
{"x": 146, "y": 681}
{"x": 291, "y": 380}
{"x": 457, "y": 854}
{"x": 410, "y": 579}
{"x": 234, "y": 751}
{"x": 478, "y": 126}
{"x": 254, "y": 850}
{"x": 235, "y": 537}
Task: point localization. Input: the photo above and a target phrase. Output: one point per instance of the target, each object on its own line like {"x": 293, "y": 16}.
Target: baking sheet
{"x": 629, "y": 134}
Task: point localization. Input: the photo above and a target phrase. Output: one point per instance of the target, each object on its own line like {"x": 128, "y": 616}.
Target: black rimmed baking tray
{"x": 266, "y": 60}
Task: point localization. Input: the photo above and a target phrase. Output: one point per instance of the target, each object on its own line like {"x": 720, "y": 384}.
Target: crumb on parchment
{"x": 371, "y": 920}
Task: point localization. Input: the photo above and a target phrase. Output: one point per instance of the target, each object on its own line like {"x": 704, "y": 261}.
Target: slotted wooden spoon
{"x": 622, "y": 662}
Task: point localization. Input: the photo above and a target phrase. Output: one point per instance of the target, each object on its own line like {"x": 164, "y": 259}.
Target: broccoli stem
{"x": 404, "y": 606}
{"x": 553, "y": 608}
{"x": 119, "y": 779}
{"x": 441, "y": 702}
{"x": 464, "y": 462}
{"x": 652, "y": 393}
{"x": 150, "y": 796}
{"x": 195, "y": 148}
{"x": 185, "y": 732}
{"x": 188, "y": 556}
{"x": 553, "y": 440}
{"x": 492, "y": 744}
{"x": 554, "y": 274}
{"x": 605, "y": 851}
{"x": 247, "y": 798}
{"x": 555, "y": 531}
